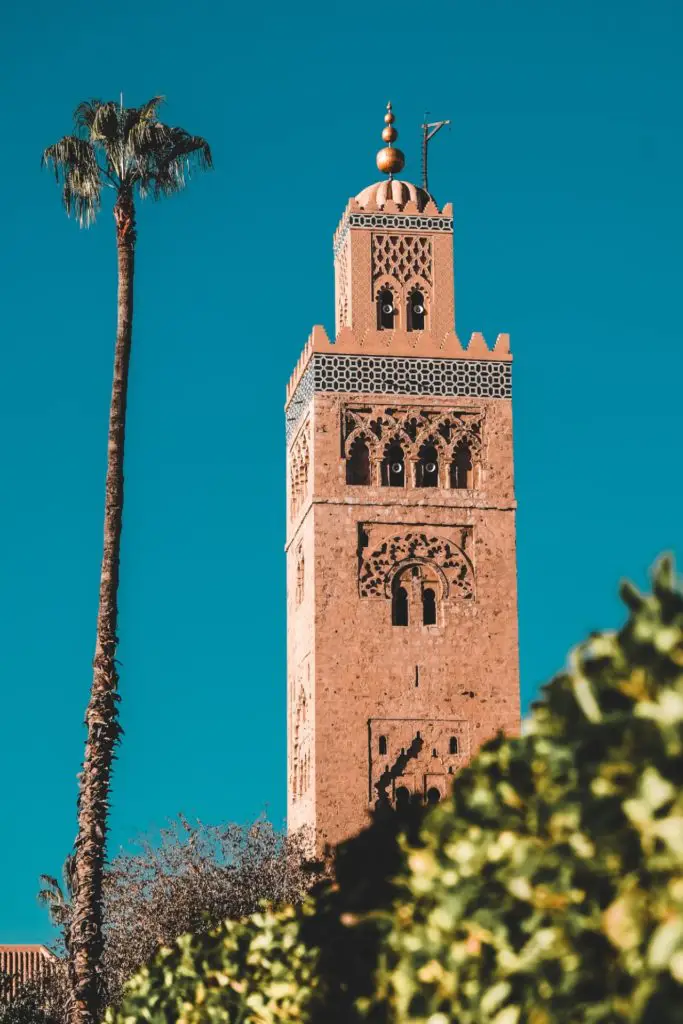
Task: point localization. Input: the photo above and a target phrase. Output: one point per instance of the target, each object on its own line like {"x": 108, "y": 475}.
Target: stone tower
{"x": 401, "y": 568}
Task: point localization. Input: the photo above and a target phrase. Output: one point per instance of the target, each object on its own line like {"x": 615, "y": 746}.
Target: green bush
{"x": 548, "y": 890}
{"x": 302, "y": 963}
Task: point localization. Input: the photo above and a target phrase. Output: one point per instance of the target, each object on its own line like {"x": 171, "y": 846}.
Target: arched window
{"x": 386, "y": 310}
{"x": 382, "y": 744}
{"x": 453, "y": 745}
{"x": 433, "y": 795}
{"x": 427, "y": 470}
{"x": 358, "y": 463}
{"x": 394, "y": 467}
{"x": 428, "y": 607}
{"x": 402, "y": 798}
{"x": 461, "y": 467}
{"x": 399, "y": 607}
{"x": 416, "y": 311}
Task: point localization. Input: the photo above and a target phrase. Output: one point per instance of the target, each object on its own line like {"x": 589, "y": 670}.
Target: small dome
{"x": 399, "y": 192}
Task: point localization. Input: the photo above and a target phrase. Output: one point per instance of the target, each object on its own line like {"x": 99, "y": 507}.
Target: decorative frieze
{"x": 398, "y": 375}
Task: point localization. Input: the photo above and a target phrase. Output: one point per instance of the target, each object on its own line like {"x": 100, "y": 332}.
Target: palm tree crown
{"x": 123, "y": 148}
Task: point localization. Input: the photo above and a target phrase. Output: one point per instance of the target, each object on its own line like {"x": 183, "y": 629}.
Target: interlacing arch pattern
{"x": 416, "y": 430}
{"x": 389, "y": 556}
{"x": 402, "y": 257}
{"x": 299, "y": 462}
{"x": 301, "y": 735}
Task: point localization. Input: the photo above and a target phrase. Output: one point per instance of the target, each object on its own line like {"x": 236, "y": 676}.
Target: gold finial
{"x": 390, "y": 160}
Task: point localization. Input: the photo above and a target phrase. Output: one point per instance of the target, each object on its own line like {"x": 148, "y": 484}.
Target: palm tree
{"x": 58, "y": 899}
{"x": 133, "y": 153}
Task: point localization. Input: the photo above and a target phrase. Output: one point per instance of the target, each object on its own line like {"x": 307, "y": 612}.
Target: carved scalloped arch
{"x": 378, "y": 569}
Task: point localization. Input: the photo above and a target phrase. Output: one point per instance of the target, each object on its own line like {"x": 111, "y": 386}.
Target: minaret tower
{"x": 401, "y": 567}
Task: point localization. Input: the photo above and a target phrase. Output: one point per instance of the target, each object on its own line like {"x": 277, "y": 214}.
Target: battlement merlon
{"x": 396, "y": 343}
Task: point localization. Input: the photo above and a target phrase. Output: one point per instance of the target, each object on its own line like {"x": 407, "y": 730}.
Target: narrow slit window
{"x": 428, "y": 467}
{"x": 382, "y": 744}
{"x": 394, "y": 467}
{"x": 416, "y": 311}
{"x": 386, "y": 310}
{"x": 461, "y": 467}
{"x": 400, "y": 607}
{"x": 453, "y": 745}
{"x": 358, "y": 464}
{"x": 429, "y": 607}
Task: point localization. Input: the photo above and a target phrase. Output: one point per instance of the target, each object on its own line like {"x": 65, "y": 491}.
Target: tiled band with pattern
{"x": 398, "y": 375}
{"x": 400, "y": 222}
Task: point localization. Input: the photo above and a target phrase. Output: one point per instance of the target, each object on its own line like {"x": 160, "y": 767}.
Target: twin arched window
{"x": 400, "y": 603}
{"x": 416, "y": 310}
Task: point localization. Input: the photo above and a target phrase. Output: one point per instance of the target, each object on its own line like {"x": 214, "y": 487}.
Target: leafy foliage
{"x": 548, "y": 890}
{"x": 301, "y": 963}
{"x": 189, "y": 879}
{"x": 41, "y": 1001}
{"x": 194, "y": 877}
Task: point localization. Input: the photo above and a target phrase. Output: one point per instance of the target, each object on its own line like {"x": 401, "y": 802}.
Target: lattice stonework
{"x": 387, "y": 553}
{"x": 343, "y": 285}
{"x": 398, "y": 375}
{"x": 403, "y": 257}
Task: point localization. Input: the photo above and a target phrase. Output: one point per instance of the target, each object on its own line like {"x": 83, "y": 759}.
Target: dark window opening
{"x": 433, "y": 795}
{"x": 393, "y": 467}
{"x": 428, "y": 607}
{"x": 453, "y": 746}
{"x": 434, "y": 753}
{"x": 382, "y": 744}
{"x": 428, "y": 467}
{"x": 461, "y": 467}
{"x": 358, "y": 464}
{"x": 399, "y": 616}
{"x": 416, "y": 311}
{"x": 386, "y": 310}
{"x": 402, "y": 798}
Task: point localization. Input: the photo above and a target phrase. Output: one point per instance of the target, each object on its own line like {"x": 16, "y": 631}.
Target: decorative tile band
{"x": 398, "y": 375}
{"x": 400, "y": 221}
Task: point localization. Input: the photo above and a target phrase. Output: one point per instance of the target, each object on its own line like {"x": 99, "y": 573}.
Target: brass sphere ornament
{"x": 390, "y": 160}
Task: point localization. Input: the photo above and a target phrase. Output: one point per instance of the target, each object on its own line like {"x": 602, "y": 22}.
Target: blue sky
{"x": 564, "y": 168}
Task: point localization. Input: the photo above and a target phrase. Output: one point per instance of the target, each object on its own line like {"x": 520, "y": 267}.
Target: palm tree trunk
{"x": 101, "y": 719}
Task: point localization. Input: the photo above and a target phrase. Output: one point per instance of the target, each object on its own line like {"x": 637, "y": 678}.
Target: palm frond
{"x": 106, "y": 124}
{"x": 174, "y": 161}
{"x": 75, "y": 165}
{"x": 146, "y": 114}
{"x": 85, "y": 114}
{"x": 51, "y": 882}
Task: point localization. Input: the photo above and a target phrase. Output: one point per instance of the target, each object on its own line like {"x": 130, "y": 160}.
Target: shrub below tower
{"x": 547, "y": 890}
